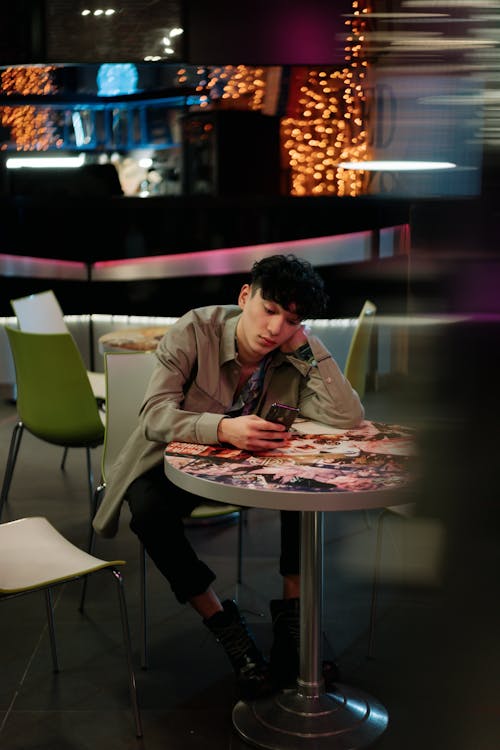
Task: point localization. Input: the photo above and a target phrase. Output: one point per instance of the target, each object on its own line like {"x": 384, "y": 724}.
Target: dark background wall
{"x": 89, "y": 228}
{"x": 107, "y": 228}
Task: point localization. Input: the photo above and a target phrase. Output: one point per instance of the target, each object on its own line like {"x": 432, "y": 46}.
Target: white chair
{"x": 404, "y": 511}
{"x": 41, "y": 313}
{"x": 36, "y": 557}
{"x": 356, "y": 371}
{"x": 127, "y": 376}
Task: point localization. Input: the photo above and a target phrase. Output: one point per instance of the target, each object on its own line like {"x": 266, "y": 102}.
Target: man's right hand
{"x": 252, "y": 433}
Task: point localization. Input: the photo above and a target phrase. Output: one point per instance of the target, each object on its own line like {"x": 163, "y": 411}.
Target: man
{"x": 219, "y": 370}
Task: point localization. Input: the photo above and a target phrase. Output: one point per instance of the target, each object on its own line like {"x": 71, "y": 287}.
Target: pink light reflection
{"x": 41, "y": 261}
{"x": 319, "y": 250}
{"x": 28, "y": 265}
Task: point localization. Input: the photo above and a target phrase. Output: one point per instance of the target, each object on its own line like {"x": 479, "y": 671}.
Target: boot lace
{"x": 237, "y": 643}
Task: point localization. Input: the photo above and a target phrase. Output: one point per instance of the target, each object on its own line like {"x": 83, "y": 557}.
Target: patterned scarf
{"x": 251, "y": 391}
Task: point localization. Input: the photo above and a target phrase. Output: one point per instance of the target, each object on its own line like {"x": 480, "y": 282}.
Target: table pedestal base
{"x": 289, "y": 720}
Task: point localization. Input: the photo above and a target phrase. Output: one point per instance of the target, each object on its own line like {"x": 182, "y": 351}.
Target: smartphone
{"x": 282, "y": 414}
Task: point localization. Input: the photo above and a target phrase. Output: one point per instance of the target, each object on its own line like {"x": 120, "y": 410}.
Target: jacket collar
{"x": 227, "y": 347}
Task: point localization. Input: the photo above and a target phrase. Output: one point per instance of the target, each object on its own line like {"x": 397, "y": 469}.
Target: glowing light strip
{"x": 42, "y": 268}
{"x": 44, "y": 162}
{"x": 322, "y": 251}
{"x": 397, "y": 166}
{"x": 393, "y": 16}
{"x": 452, "y": 3}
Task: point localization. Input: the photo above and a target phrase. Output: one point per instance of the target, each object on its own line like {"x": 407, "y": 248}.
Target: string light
{"x": 328, "y": 126}
{"x": 243, "y": 85}
{"x": 32, "y": 128}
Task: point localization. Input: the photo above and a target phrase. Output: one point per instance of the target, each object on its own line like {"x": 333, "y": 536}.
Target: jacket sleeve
{"x": 164, "y": 413}
{"x": 325, "y": 394}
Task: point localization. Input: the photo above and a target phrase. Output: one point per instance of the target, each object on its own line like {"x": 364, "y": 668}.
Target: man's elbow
{"x": 355, "y": 418}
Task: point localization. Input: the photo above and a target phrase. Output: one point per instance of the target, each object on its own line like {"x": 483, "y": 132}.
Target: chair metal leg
{"x": 328, "y": 646}
{"x": 128, "y": 650}
{"x": 91, "y": 540}
{"x": 376, "y": 576}
{"x": 94, "y": 500}
{"x": 15, "y": 442}
{"x": 83, "y": 594}
{"x": 52, "y": 633}
{"x": 90, "y": 475}
{"x": 239, "y": 567}
{"x": 240, "y": 586}
{"x": 63, "y": 460}
{"x": 144, "y": 607}
{"x": 239, "y": 554}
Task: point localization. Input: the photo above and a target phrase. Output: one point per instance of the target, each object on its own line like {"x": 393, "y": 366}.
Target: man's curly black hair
{"x": 288, "y": 280}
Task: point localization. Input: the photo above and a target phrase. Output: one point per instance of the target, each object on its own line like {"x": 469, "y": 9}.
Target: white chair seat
{"x": 33, "y": 554}
{"x": 406, "y": 511}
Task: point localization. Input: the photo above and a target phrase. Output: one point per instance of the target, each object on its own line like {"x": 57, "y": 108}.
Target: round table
{"x": 142, "y": 339}
{"x": 322, "y": 469}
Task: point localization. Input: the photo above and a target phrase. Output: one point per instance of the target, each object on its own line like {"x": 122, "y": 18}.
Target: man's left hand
{"x": 299, "y": 337}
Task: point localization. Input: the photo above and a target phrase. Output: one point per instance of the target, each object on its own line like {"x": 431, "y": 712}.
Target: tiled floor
{"x": 436, "y": 659}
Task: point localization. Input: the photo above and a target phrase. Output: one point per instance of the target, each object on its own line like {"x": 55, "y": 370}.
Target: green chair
{"x": 54, "y": 399}
{"x": 127, "y": 377}
{"x": 36, "y": 557}
{"x": 357, "y": 360}
{"x": 42, "y": 313}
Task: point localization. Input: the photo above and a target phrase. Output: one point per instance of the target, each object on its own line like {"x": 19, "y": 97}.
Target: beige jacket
{"x": 192, "y": 387}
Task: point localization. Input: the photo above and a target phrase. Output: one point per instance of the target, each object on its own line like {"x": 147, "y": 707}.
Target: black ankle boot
{"x": 252, "y": 670}
{"x": 285, "y": 651}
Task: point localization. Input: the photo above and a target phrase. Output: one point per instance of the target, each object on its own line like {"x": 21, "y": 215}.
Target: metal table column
{"x": 307, "y": 716}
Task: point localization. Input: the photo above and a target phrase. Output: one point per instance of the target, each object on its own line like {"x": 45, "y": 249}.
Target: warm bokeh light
{"x": 326, "y": 123}
{"x": 242, "y": 86}
{"x": 32, "y": 128}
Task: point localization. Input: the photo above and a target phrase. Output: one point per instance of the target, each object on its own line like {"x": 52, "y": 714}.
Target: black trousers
{"x": 158, "y": 509}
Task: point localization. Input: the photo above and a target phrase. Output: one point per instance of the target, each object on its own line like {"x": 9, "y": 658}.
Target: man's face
{"x": 264, "y": 325}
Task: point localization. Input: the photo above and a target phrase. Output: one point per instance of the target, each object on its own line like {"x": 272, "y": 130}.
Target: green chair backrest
{"x": 356, "y": 366}
{"x": 54, "y": 397}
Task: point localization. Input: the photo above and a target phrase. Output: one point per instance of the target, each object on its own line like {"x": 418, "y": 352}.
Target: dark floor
{"x": 436, "y": 650}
